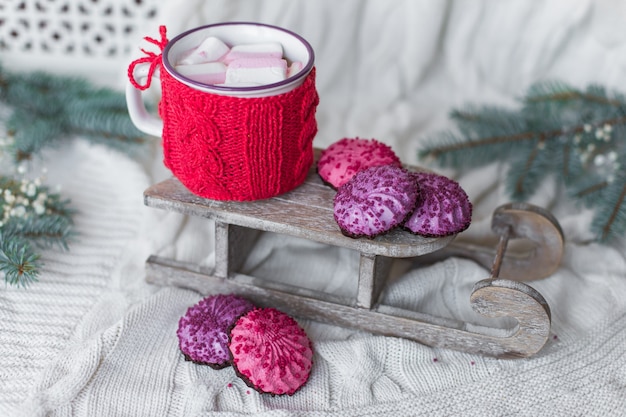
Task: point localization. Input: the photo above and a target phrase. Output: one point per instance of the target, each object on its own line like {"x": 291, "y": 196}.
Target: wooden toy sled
{"x": 307, "y": 212}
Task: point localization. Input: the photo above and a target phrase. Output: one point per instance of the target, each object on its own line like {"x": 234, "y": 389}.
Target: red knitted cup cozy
{"x": 232, "y": 148}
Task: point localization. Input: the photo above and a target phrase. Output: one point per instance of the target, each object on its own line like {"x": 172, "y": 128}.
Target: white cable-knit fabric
{"x": 39, "y": 322}
{"x": 91, "y": 338}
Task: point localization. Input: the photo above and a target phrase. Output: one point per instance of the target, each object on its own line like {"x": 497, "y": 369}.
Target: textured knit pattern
{"x": 91, "y": 340}
{"x": 37, "y": 323}
{"x": 389, "y": 69}
{"x": 232, "y": 148}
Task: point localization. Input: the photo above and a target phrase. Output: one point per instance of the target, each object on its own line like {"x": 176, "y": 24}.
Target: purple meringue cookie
{"x": 442, "y": 209}
{"x": 203, "y": 332}
{"x": 374, "y": 201}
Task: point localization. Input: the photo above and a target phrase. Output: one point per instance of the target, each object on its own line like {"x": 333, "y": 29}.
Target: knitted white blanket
{"x": 91, "y": 338}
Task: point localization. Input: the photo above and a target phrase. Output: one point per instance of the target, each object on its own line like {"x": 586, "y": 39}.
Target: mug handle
{"x": 140, "y": 117}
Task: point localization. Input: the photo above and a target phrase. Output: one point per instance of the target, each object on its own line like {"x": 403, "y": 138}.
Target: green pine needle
{"x": 577, "y": 136}
{"x": 45, "y": 109}
{"x": 18, "y": 263}
{"x": 49, "y": 108}
{"x": 611, "y": 210}
{"x": 30, "y": 216}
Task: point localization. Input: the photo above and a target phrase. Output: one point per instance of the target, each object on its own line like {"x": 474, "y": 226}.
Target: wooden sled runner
{"x": 307, "y": 212}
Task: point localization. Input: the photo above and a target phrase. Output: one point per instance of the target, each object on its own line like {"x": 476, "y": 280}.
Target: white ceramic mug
{"x": 296, "y": 49}
{"x": 230, "y": 143}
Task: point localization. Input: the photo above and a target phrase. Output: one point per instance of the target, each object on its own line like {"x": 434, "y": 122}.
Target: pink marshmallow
{"x": 294, "y": 68}
{"x": 211, "y": 49}
{"x": 207, "y": 73}
{"x": 256, "y": 71}
{"x": 254, "y": 50}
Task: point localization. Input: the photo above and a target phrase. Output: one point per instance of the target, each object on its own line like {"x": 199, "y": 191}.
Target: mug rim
{"x": 306, "y": 69}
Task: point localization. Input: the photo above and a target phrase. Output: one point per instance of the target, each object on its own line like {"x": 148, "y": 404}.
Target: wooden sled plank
{"x": 307, "y": 212}
{"x": 494, "y": 298}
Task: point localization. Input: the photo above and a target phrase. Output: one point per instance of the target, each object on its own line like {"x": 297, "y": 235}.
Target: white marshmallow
{"x": 207, "y": 73}
{"x": 254, "y": 50}
{"x": 211, "y": 49}
{"x": 256, "y": 71}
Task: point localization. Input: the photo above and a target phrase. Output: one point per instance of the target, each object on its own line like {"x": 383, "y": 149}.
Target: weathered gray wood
{"x": 166, "y": 271}
{"x": 373, "y": 272}
{"x": 497, "y": 298}
{"x": 306, "y": 212}
{"x": 521, "y": 221}
{"x": 537, "y": 225}
{"x": 232, "y": 245}
{"x": 501, "y": 298}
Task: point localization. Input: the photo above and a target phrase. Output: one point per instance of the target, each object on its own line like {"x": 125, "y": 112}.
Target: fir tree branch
{"x": 608, "y": 226}
{"x": 592, "y": 189}
{"x": 566, "y": 156}
{"x": 18, "y": 263}
{"x": 48, "y": 108}
{"x": 46, "y": 230}
{"x": 577, "y": 135}
{"x": 437, "y": 151}
{"x": 119, "y": 139}
{"x": 575, "y": 95}
{"x": 519, "y": 185}
{"x": 552, "y": 91}
{"x": 30, "y": 215}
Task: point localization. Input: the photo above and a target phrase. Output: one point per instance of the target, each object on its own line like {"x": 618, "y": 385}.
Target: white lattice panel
{"x": 91, "y": 37}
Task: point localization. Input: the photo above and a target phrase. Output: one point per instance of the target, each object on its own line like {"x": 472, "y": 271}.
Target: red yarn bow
{"x": 150, "y": 57}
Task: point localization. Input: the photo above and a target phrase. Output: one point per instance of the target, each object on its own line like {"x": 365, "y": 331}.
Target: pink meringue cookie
{"x": 343, "y": 159}
{"x": 271, "y": 352}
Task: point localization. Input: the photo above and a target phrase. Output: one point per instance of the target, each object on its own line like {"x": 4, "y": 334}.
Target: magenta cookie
{"x": 375, "y": 201}
{"x": 203, "y": 330}
{"x": 442, "y": 209}
{"x": 343, "y": 159}
{"x": 271, "y": 352}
